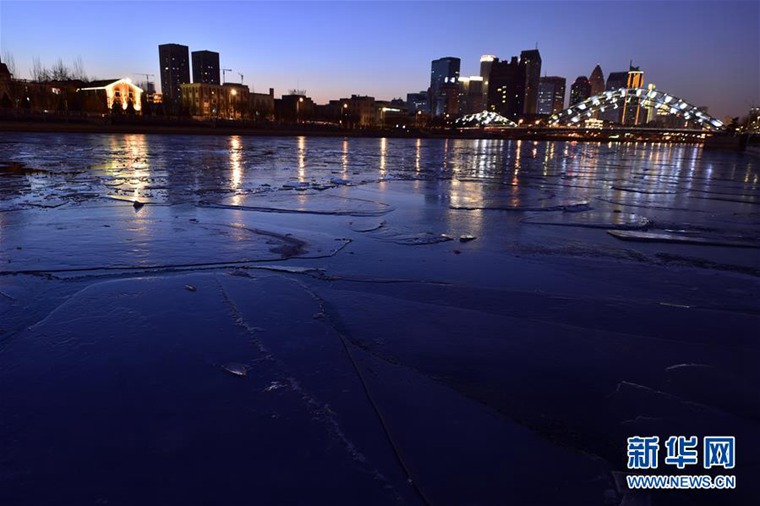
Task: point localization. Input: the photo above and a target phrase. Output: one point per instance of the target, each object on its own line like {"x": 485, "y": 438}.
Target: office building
{"x": 204, "y": 100}
{"x": 486, "y": 61}
{"x": 632, "y": 114}
{"x": 175, "y": 70}
{"x": 597, "y": 81}
{"x": 294, "y": 107}
{"x": 206, "y": 67}
{"x": 531, "y": 60}
{"x": 506, "y": 88}
{"x": 580, "y": 90}
{"x": 634, "y": 78}
{"x": 470, "y": 95}
{"x": 262, "y": 106}
{"x": 444, "y": 75}
{"x": 615, "y": 81}
{"x": 417, "y": 103}
{"x": 551, "y": 95}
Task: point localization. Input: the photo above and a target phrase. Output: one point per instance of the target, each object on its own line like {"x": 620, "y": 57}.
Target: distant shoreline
{"x": 200, "y": 129}
{"x": 289, "y": 131}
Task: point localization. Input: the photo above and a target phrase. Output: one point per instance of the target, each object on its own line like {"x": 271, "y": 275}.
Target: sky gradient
{"x": 707, "y": 53}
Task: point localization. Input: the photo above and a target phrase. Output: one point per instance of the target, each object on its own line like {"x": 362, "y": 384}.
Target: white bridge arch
{"x": 484, "y": 119}
{"x": 614, "y": 99}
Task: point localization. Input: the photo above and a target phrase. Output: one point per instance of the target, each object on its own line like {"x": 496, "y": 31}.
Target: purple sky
{"x": 707, "y": 53}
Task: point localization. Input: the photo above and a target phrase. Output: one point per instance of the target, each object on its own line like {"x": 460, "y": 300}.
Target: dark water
{"x": 213, "y": 320}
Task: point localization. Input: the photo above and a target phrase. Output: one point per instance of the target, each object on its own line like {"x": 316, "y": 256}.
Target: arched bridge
{"x": 484, "y": 119}
{"x": 614, "y": 99}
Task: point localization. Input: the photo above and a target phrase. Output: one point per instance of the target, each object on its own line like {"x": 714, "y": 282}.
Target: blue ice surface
{"x": 385, "y": 362}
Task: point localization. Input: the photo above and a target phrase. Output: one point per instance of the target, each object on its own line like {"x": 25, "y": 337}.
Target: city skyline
{"x": 384, "y": 49}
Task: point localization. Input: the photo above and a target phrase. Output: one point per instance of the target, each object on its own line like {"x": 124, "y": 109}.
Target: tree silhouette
{"x": 130, "y": 108}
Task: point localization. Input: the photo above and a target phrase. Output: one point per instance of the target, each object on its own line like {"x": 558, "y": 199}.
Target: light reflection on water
{"x": 301, "y": 159}
{"x": 235, "y": 162}
{"x": 383, "y": 156}
{"x": 177, "y": 169}
{"x": 344, "y": 159}
{"x": 453, "y": 186}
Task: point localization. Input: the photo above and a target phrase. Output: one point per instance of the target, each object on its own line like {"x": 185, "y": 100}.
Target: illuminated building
{"x": 652, "y": 112}
{"x": 205, "y": 67}
{"x": 485, "y": 72}
{"x": 175, "y": 70}
{"x": 363, "y": 109}
{"x": 506, "y": 88}
{"x": 238, "y": 100}
{"x": 615, "y": 81}
{"x": 551, "y": 94}
{"x": 580, "y": 90}
{"x": 444, "y": 72}
{"x": 227, "y": 101}
{"x": 417, "y": 102}
{"x": 470, "y": 95}
{"x": 531, "y": 60}
{"x": 753, "y": 120}
{"x": 113, "y": 95}
{"x": 295, "y": 107}
{"x": 203, "y": 100}
{"x": 389, "y": 114}
{"x": 632, "y": 111}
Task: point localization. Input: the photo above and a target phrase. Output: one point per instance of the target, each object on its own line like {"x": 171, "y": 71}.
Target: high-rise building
{"x": 615, "y": 81}
{"x": 551, "y": 95}
{"x": 206, "y": 67}
{"x": 580, "y": 90}
{"x": 632, "y": 114}
{"x": 485, "y": 71}
{"x": 531, "y": 59}
{"x": 175, "y": 70}
{"x": 506, "y": 88}
{"x": 443, "y": 72}
{"x": 470, "y": 95}
{"x": 635, "y": 77}
{"x": 597, "y": 81}
{"x": 417, "y": 102}
{"x": 753, "y": 120}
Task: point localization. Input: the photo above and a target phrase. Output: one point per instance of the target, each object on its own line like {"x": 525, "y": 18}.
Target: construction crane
{"x": 224, "y": 74}
{"x": 147, "y": 77}
{"x": 241, "y": 77}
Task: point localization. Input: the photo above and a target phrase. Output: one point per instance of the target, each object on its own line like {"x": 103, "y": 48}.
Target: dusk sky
{"x": 707, "y": 53}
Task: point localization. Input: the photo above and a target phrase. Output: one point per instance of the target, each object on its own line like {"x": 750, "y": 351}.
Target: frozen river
{"x": 240, "y": 320}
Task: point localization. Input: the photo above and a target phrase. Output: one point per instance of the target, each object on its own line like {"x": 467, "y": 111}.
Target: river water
{"x": 369, "y": 321}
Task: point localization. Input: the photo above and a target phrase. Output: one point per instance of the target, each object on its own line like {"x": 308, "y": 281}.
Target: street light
{"x": 298, "y": 109}
{"x": 232, "y": 102}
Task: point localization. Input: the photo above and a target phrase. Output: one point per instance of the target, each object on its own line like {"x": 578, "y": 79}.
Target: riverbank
{"x": 79, "y": 125}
